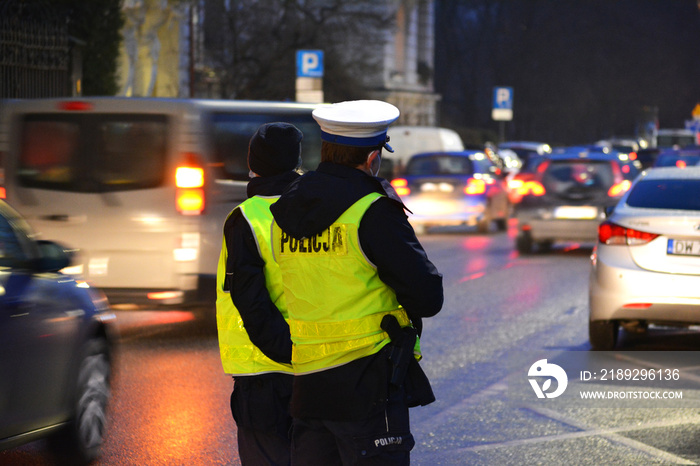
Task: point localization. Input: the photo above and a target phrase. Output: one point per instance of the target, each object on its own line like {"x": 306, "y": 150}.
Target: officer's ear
{"x": 374, "y": 160}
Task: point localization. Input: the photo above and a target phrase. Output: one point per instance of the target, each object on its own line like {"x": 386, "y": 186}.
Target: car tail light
{"x": 515, "y": 184}
{"x": 531, "y": 188}
{"x": 189, "y": 180}
{"x": 614, "y": 234}
{"x": 681, "y": 163}
{"x": 620, "y": 188}
{"x": 475, "y": 186}
{"x": 401, "y": 186}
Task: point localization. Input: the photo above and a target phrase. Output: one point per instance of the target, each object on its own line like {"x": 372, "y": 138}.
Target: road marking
{"x": 611, "y": 433}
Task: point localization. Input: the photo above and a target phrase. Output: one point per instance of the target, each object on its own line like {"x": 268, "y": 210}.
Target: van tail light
{"x": 475, "y": 186}
{"x": 189, "y": 181}
{"x": 613, "y": 234}
{"x": 401, "y": 186}
{"x": 618, "y": 189}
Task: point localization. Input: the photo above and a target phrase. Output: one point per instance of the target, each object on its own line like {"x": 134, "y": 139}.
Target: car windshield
{"x": 440, "y": 165}
{"x": 677, "y": 194}
{"x": 565, "y": 175}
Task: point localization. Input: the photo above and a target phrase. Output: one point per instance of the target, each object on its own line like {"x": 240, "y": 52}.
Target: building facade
{"x": 163, "y": 55}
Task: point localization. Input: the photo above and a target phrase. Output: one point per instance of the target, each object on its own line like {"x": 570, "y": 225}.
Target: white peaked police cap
{"x": 362, "y": 123}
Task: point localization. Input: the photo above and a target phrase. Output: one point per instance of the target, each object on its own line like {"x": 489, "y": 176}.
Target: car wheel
{"x": 603, "y": 334}
{"x": 523, "y": 243}
{"x": 81, "y": 440}
{"x": 544, "y": 246}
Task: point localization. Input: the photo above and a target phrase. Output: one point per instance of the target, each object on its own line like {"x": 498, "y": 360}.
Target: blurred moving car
{"x": 454, "y": 188}
{"x": 410, "y": 140}
{"x": 645, "y": 265}
{"x": 675, "y": 137}
{"x": 526, "y": 149}
{"x": 56, "y": 342}
{"x": 677, "y": 158}
{"x": 140, "y": 185}
{"x": 566, "y": 198}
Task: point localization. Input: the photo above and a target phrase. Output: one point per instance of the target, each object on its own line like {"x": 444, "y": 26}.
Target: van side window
{"x": 49, "y": 149}
{"x": 133, "y": 154}
{"x": 232, "y": 132}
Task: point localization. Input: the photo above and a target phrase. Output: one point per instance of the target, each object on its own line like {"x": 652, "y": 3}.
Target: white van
{"x": 139, "y": 187}
{"x": 409, "y": 140}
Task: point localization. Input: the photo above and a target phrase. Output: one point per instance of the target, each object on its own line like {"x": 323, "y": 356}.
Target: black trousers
{"x": 382, "y": 439}
{"x": 260, "y": 407}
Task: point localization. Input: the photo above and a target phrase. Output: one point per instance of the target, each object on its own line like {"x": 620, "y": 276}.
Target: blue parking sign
{"x": 309, "y": 63}
{"x": 503, "y": 97}
{"x": 502, "y": 104}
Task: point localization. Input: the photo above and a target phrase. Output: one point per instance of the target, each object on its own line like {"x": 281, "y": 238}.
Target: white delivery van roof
{"x": 409, "y": 140}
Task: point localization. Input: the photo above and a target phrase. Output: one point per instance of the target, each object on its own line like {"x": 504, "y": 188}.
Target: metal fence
{"x": 35, "y": 52}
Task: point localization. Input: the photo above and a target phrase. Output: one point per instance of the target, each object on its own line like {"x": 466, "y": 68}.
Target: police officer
{"x": 254, "y": 337}
{"x": 349, "y": 258}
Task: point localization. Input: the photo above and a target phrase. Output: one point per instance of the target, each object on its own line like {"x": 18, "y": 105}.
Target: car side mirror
{"x": 52, "y": 257}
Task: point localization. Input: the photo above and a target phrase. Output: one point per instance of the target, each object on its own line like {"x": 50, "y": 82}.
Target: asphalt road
{"x": 502, "y": 314}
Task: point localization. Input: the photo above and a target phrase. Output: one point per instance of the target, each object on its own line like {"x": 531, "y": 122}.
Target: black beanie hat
{"x": 274, "y": 148}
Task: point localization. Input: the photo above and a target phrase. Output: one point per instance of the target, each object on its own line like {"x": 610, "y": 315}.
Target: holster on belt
{"x": 406, "y": 372}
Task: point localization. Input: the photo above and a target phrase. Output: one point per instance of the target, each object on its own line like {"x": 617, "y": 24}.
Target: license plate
{"x": 683, "y": 247}
{"x": 576, "y": 212}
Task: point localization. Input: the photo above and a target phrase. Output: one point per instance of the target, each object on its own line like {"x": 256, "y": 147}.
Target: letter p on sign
{"x": 309, "y": 63}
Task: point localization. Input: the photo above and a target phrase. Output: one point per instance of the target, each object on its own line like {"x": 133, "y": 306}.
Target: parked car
{"x": 678, "y": 158}
{"x": 454, "y": 188}
{"x": 566, "y": 198}
{"x": 56, "y": 341}
{"x": 645, "y": 264}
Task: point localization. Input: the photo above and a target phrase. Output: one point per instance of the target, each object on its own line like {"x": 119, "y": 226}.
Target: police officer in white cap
{"x": 357, "y": 284}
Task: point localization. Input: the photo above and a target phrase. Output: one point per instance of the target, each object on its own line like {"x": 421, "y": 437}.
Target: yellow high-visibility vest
{"x": 335, "y": 298}
{"x": 239, "y": 355}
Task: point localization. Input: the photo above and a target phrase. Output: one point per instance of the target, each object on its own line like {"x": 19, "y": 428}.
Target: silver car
{"x": 646, "y": 264}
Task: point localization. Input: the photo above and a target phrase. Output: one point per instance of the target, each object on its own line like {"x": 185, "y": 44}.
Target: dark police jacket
{"x": 264, "y": 323}
{"x": 310, "y": 204}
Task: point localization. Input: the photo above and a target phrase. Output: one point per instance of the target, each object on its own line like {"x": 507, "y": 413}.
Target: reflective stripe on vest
{"x": 334, "y": 296}
{"x": 238, "y": 354}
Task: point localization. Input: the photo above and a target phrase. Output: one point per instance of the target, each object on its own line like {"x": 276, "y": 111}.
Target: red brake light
{"x": 401, "y": 186}
{"x": 475, "y": 186}
{"x": 612, "y": 234}
{"x": 75, "y": 106}
{"x": 632, "y": 156}
{"x": 681, "y": 163}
